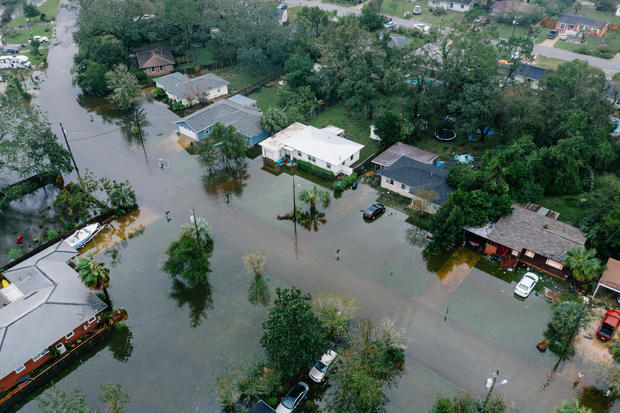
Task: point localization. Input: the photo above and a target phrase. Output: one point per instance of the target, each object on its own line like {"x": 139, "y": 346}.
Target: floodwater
{"x": 462, "y": 326}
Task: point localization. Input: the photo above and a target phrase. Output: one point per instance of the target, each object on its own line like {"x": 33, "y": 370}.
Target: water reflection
{"x": 131, "y": 123}
{"x": 120, "y": 342}
{"x": 416, "y": 237}
{"x": 197, "y": 297}
{"x": 311, "y": 219}
{"x": 594, "y": 399}
{"x": 259, "y": 293}
{"x": 227, "y": 180}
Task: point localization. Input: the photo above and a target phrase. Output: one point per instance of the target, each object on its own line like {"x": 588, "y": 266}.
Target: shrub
{"x": 159, "y": 93}
{"x": 438, "y": 11}
{"x": 51, "y": 234}
{"x": 177, "y": 106}
{"x": 345, "y": 183}
{"x": 14, "y": 253}
{"x": 614, "y": 349}
{"x": 315, "y": 170}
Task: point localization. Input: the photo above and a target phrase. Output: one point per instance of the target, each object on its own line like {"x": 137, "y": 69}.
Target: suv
{"x": 417, "y": 10}
{"x": 552, "y": 34}
{"x": 293, "y": 398}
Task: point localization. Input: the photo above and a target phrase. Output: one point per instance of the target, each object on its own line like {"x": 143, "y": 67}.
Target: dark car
{"x": 293, "y": 398}
{"x": 607, "y": 329}
{"x": 374, "y": 211}
{"x": 11, "y": 50}
{"x": 552, "y": 34}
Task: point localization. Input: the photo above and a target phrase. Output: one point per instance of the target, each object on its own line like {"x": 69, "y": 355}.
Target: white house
{"x": 325, "y": 148}
{"x": 191, "y": 91}
{"x": 455, "y": 5}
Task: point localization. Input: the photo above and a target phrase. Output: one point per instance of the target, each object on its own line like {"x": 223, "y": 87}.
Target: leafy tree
{"x": 91, "y": 79}
{"x": 232, "y": 142}
{"x": 124, "y": 86}
{"x": 294, "y": 337}
{"x": 34, "y": 47}
{"x": 315, "y": 196}
{"x": 201, "y": 227}
{"x": 114, "y": 396}
{"x": 371, "y": 18}
{"x": 121, "y": 196}
{"x": 567, "y": 318}
{"x": 94, "y": 275}
{"x": 583, "y": 263}
{"x": 335, "y": 311}
{"x": 274, "y": 120}
{"x": 30, "y": 10}
{"x": 185, "y": 14}
{"x": 572, "y": 407}
{"x": 602, "y": 221}
{"x": 389, "y": 127}
{"x": 297, "y": 103}
{"x": 187, "y": 260}
{"x": 466, "y": 403}
{"x": 299, "y": 70}
{"x": 208, "y": 154}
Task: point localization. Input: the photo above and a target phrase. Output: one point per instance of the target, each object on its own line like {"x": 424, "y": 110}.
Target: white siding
{"x": 187, "y": 132}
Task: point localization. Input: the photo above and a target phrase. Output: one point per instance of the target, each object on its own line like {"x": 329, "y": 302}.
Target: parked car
{"x": 282, "y": 6}
{"x": 374, "y": 211}
{"x": 293, "y": 398}
{"x": 552, "y": 34}
{"x": 564, "y": 36}
{"x": 417, "y": 10}
{"x": 41, "y": 39}
{"x": 424, "y": 28}
{"x": 11, "y": 50}
{"x": 607, "y": 329}
{"x": 389, "y": 25}
{"x": 526, "y": 285}
{"x": 321, "y": 367}
{"x": 481, "y": 20}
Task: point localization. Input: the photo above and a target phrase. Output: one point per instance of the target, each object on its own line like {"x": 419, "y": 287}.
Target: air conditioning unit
{"x": 61, "y": 348}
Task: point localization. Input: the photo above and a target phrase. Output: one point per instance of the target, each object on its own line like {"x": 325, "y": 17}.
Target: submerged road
{"x": 610, "y": 67}
{"x": 450, "y": 351}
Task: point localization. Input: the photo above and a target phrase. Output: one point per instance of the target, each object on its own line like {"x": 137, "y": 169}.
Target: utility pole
{"x": 70, "y": 152}
{"x": 294, "y": 204}
{"x": 140, "y": 134}
{"x": 486, "y": 401}
{"x": 196, "y": 227}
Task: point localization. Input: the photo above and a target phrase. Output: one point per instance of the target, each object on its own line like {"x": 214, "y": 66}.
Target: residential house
{"x": 423, "y": 183}
{"x": 191, "y": 91}
{"x": 155, "y": 62}
{"x": 398, "y": 150}
{"x": 455, "y": 5}
{"x": 43, "y": 305}
{"x": 576, "y": 23}
{"x": 531, "y": 236}
{"x": 245, "y": 119}
{"x": 326, "y": 148}
{"x": 396, "y": 40}
{"x": 530, "y": 74}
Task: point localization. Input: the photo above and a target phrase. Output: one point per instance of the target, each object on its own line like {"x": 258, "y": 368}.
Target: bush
{"x": 51, "y": 234}
{"x": 438, "y": 11}
{"x": 159, "y": 93}
{"x": 14, "y": 253}
{"x": 177, "y": 106}
{"x": 345, "y": 183}
{"x": 315, "y": 170}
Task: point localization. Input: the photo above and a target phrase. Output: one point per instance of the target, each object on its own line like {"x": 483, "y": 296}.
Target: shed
{"x": 611, "y": 277}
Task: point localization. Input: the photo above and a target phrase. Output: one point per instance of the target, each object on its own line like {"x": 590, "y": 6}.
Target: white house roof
{"x": 323, "y": 144}
{"x": 52, "y": 303}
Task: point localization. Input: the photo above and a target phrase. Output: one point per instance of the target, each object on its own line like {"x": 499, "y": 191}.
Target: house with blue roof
{"x": 245, "y": 117}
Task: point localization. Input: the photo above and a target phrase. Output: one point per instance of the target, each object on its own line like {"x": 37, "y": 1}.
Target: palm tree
{"x": 583, "y": 263}
{"x": 94, "y": 275}
{"x": 572, "y": 407}
{"x": 202, "y": 227}
{"x": 314, "y": 196}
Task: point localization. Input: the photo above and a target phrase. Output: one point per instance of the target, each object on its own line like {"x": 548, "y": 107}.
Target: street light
{"x": 491, "y": 383}
{"x": 514, "y": 25}
{"x": 29, "y": 28}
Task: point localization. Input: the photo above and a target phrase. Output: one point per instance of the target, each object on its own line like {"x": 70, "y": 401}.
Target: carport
{"x": 611, "y": 277}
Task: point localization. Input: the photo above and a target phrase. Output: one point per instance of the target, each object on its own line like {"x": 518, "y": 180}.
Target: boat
{"x": 82, "y": 236}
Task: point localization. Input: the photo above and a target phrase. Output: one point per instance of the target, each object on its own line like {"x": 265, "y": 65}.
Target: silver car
{"x": 526, "y": 285}
{"x": 320, "y": 368}
{"x": 293, "y": 398}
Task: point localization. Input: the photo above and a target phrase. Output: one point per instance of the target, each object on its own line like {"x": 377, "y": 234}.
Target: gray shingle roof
{"x": 576, "y": 19}
{"x": 242, "y": 100}
{"x": 531, "y": 71}
{"x": 612, "y": 89}
{"x": 396, "y": 40}
{"x": 526, "y": 229}
{"x": 399, "y": 149}
{"x": 419, "y": 176}
{"x": 184, "y": 87}
{"x": 246, "y": 119}
{"x": 54, "y": 302}
{"x": 154, "y": 57}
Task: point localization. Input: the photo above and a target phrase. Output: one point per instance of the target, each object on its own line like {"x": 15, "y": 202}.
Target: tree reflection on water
{"x": 120, "y": 342}
{"x": 197, "y": 297}
{"x": 227, "y": 180}
{"x": 311, "y": 220}
{"x": 259, "y": 293}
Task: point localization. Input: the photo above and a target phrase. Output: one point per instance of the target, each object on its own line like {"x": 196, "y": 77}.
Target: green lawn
{"x": 204, "y": 55}
{"x": 36, "y": 60}
{"x": 548, "y": 62}
{"x": 240, "y": 79}
{"x": 570, "y": 207}
{"x": 356, "y": 128}
{"x": 22, "y": 36}
{"x": 266, "y": 97}
{"x": 450, "y": 19}
{"x": 590, "y": 11}
{"x": 50, "y": 8}
{"x": 292, "y": 12}
{"x": 398, "y": 8}
{"x": 616, "y": 77}
{"x": 605, "y": 47}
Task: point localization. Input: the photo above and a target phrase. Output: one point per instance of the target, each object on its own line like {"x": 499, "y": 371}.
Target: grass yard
{"x": 292, "y": 12}
{"x": 266, "y": 97}
{"x": 594, "y": 46}
{"x": 21, "y": 36}
{"x": 450, "y": 19}
{"x": 356, "y": 128}
{"x": 547, "y": 62}
{"x": 49, "y": 8}
{"x": 204, "y": 55}
{"x": 240, "y": 79}
{"x": 590, "y": 11}
{"x": 397, "y": 8}
{"x": 616, "y": 77}
{"x": 36, "y": 60}
{"x": 570, "y": 207}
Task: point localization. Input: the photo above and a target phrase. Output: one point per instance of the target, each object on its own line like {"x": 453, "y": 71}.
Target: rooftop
{"x": 525, "y": 229}
{"x": 531, "y": 71}
{"x": 246, "y": 119}
{"x": 399, "y": 149}
{"x": 611, "y": 275}
{"x": 321, "y": 143}
{"x": 49, "y": 301}
{"x": 576, "y": 19}
{"x": 419, "y": 175}
{"x": 396, "y": 40}
{"x": 154, "y": 57}
{"x": 242, "y": 100}
{"x": 184, "y": 87}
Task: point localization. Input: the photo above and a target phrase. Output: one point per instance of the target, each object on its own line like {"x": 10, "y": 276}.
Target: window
{"x": 581, "y": 27}
{"x": 328, "y": 166}
{"x": 515, "y": 253}
{"x": 298, "y": 153}
{"x": 161, "y": 68}
{"x": 68, "y": 336}
{"x": 451, "y": 5}
{"x": 85, "y": 327}
{"x": 153, "y": 69}
{"x": 311, "y": 158}
{"x": 41, "y": 354}
{"x": 351, "y": 157}
{"x": 403, "y": 186}
{"x": 20, "y": 369}
{"x": 411, "y": 191}
{"x": 554, "y": 264}
{"x": 92, "y": 320}
{"x": 462, "y": 6}
{"x": 529, "y": 253}
{"x": 389, "y": 181}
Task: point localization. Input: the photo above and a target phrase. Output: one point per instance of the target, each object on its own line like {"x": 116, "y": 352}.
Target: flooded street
{"x": 463, "y": 323}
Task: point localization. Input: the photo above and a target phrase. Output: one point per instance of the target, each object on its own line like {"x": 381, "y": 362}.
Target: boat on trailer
{"x": 83, "y": 235}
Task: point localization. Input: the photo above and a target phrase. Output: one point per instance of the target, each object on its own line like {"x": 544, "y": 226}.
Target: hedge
{"x": 315, "y": 170}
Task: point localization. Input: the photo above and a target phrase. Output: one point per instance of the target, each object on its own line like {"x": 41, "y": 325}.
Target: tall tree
{"x": 583, "y": 263}
{"x": 314, "y": 196}
{"x": 389, "y": 127}
{"x": 124, "y": 86}
{"x": 185, "y": 14}
{"x": 94, "y": 275}
{"x": 187, "y": 260}
{"x": 294, "y": 337}
{"x": 567, "y": 319}
{"x": 274, "y": 120}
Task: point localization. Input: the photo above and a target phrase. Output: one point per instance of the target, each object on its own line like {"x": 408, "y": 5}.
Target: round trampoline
{"x": 445, "y": 134}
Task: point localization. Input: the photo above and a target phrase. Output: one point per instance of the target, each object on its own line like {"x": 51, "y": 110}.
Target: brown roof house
{"x": 155, "y": 62}
{"x": 534, "y": 238}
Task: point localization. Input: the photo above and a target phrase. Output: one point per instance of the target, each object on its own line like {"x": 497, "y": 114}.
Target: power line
{"x": 94, "y": 136}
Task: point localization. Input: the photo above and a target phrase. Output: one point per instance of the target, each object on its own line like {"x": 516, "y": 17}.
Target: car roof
{"x": 612, "y": 317}
{"x": 328, "y": 357}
